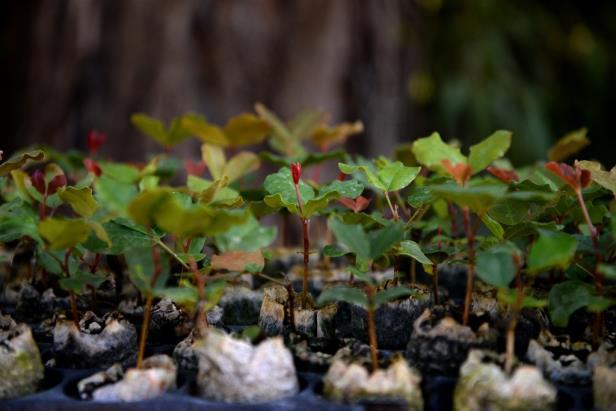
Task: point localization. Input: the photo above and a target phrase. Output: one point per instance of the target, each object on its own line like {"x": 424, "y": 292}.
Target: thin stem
{"x": 291, "y": 305}
{"x": 147, "y": 312}
{"x": 435, "y": 284}
{"x": 74, "y": 312}
{"x": 372, "y": 328}
{"x": 394, "y": 210}
{"x": 201, "y": 322}
{"x": 73, "y": 299}
{"x": 413, "y": 272}
{"x": 597, "y": 330}
{"x": 306, "y": 243}
{"x": 517, "y": 307}
{"x": 453, "y": 219}
{"x": 471, "y": 264}
{"x": 306, "y": 259}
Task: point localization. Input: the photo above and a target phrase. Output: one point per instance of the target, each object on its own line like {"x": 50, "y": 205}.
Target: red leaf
{"x": 38, "y": 181}
{"x": 194, "y": 168}
{"x": 357, "y": 205}
{"x": 296, "y": 172}
{"x": 460, "y": 172}
{"x": 92, "y": 167}
{"x": 504, "y": 175}
{"x": 565, "y": 172}
{"x": 95, "y": 140}
{"x": 55, "y": 183}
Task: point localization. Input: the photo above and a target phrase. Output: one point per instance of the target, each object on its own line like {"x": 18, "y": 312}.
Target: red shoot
{"x": 296, "y": 172}
{"x": 576, "y": 178}
{"x": 95, "y": 141}
{"x": 460, "y": 172}
{"x": 357, "y": 205}
{"x": 92, "y": 166}
{"x": 38, "y": 181}
{"x": 504, "y": 175}
{"x": 194, "y": 168}
{"x": 55, "y": 183}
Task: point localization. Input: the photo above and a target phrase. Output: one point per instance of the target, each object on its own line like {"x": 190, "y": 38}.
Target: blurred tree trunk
{"x": 83, "y": 64}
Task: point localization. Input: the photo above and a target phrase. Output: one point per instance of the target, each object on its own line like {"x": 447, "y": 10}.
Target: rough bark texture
{"x": 82, "y": 64}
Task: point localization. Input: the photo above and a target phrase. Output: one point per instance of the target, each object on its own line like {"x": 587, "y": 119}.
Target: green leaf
{"x": 609, "y": 271}
{"x": 477, "y": 198}
{"x": 567, "y": 297}
{"x": 64, "y": 233}
{"x": 163, "y": 208}
{"x": 246, "y": 130}
{"x": 552, "y": 249}
{"x": 120, "y": 172}
{"x": 496, "y": 267}
{"x": 367, "y": 245}
{"x": 419, "y": 196}
{"x": 240, "y": 165}
{"x": 180, "y": 295}
{"x": 113, "y": 194}
{"x": 391, "y": 294}
{"x": 370, "y": 174}
{"x": 431, "y": 151}
{"x": 79, "y": 279}
{"x": 141, "y": 269}
{"x": 346, "y": 294}
{"x": 352, "y": 236}
{"x": 248, "y": 236}
{"x": 81, "y": 200}
{"x": 17, "y": 220}
{"x": 282, "y": 183}
{"x": 492, "y": 148}
{"x": 19, "y": 160}
{"x": 151, "y": 127}
{"x": 395, "y": 176}
{"x": 332, "y": 250}
{"x": 199, "y": 127}
{"x": 123, "y": 235}
{"x": 570, "y": 144}
{"x": 510, "y": 296}
{"x": 412, "y": 249}
{"x": 495, "y": 228}
{"x": 348, "y": 188}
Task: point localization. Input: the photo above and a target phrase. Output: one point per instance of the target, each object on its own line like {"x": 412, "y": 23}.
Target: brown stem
{"x": 201, "y": 322}
{"x": 597, "y": 329}
{"x": 147, "y": 313}
{"x": 372, "y": 329}
{"x": 515, "y": 312}
{"x": 73, "y": 299}
{"x": 452, "y": 218}
{"x": 394, "y": 210}
{"x": 74, "y": 312}
{"x": 435, "y": 284}
{"x": 471, "y": 265}
{"x": 306, "y": 257}
{"x": 291, "y": 305}
{"x": 92, "y": 296}
{"x": 413, "y": 272}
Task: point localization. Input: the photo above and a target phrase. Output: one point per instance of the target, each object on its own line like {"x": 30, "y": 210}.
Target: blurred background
{"x": 405, "y": 68}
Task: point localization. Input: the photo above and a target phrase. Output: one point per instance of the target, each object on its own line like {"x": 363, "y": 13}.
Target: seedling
{"x": 442, "y": 158}
{"x": 286, "y": 189}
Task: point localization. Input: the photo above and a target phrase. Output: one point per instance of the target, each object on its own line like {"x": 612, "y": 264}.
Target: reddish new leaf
{"x": 504, "y": 175}
{"x": 357, "y": 205}
{"x": 460, "y": 172}
{"x": 96, "y": 140}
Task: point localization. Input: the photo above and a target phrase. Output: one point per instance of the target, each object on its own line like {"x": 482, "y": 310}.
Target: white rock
{"x": 233, "y": 370}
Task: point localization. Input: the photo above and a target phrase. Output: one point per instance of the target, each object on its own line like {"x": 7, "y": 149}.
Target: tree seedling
{"x": 286, "y": 189}
{"x": 442, "y": 158}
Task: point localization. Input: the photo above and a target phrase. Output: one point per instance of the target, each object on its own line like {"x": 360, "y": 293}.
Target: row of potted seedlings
{"x": 431, "y": 266}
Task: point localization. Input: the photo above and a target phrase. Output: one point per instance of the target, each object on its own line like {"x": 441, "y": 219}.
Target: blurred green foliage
{"x": 539, "y": 69}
